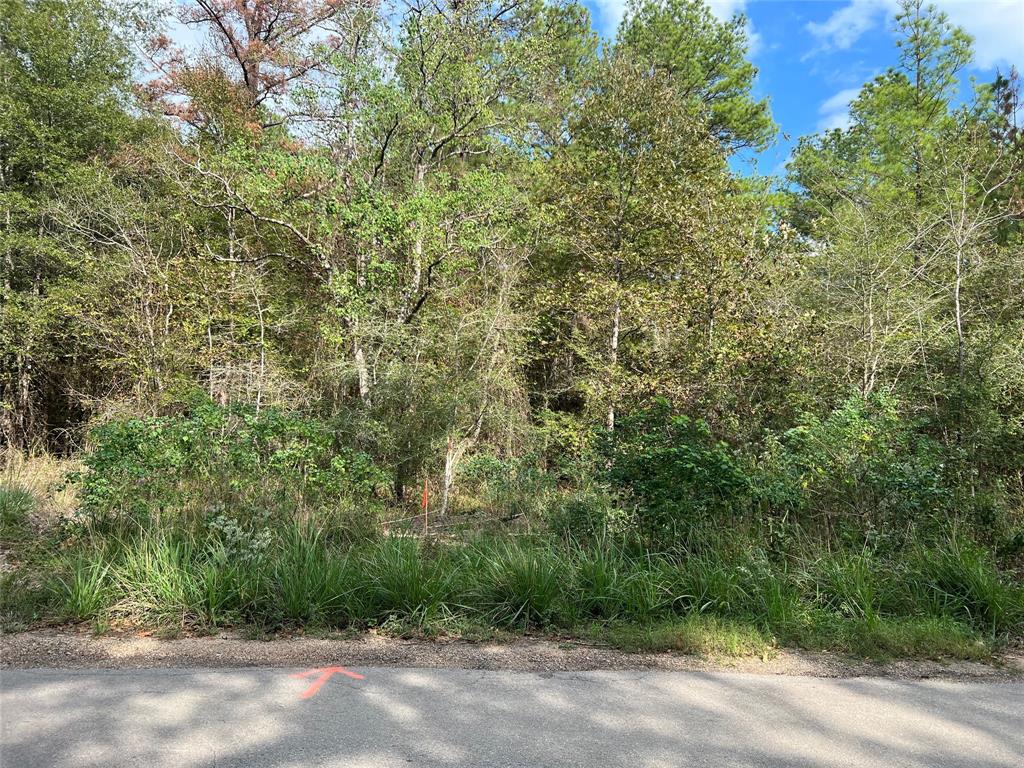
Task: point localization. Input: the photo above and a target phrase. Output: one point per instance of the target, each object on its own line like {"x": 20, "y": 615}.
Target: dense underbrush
{"x": 228, "y": 518}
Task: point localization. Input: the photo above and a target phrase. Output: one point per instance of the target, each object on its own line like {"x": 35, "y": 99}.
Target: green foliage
{"x": 315, "y": 584}
{"x": 707, "y": 60}
{"x": 466, "y": 248}
{"x": 67, "y": 78}
{"x": 864, "y": 465}
{"x": 398, "y": 579}
{"x": 506, "y": 488}
{"x": 23, "y": 603}
{"x": 674, "y": 472}
{"x": 201, "y": 464}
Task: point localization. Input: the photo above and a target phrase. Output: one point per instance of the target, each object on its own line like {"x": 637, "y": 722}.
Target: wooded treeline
{"x": 467, "y": 237}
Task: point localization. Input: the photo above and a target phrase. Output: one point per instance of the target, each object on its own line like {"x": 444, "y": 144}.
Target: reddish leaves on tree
{"x": 256, "y": 49}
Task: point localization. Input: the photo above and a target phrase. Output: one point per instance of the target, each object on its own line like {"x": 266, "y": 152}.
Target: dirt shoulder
{"x": 67, "y": 649}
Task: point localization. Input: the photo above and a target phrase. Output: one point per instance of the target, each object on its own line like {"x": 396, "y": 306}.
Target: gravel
{"x": 70, "y": 649}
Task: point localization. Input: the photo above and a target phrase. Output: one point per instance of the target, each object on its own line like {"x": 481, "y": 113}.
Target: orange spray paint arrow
{"x": 325, "y": 674}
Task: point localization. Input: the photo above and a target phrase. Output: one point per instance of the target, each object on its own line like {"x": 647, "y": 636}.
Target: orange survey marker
{"x": 325, "y": 674}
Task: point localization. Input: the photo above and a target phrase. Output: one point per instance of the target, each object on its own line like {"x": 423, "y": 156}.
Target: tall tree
{"x": 706, "y": 61}
{"x": 64, "y": 95}
{"x": 637, "y": 200}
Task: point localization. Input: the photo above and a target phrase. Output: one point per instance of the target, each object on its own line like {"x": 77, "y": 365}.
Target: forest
{"x": 453, "y": 318}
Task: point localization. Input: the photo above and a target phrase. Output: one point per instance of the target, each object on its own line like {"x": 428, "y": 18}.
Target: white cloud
{"x": 846, "y": 26}
{"x": 996, "y": 25}
{"x": 610, "y": 13}
{"x": 725, "y": 9}
{"x": 834, "y": 112}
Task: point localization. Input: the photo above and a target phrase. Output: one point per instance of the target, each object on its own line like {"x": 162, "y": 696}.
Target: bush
{"x": 206, "y": 460}
{"x": 504, "y": 488}
{"x": 864, "y": 468}
{"x": 671, "y": 470}
{"x": 588, "y": 516}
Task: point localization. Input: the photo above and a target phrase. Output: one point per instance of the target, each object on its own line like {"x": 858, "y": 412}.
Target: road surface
{"x": 430, "y": 718}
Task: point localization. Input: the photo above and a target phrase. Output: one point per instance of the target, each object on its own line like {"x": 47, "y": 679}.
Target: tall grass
{"x": 83, "y": 591}
{"x": 312, "y": 582}
{"x": 517, "y": 584}
{"x": 949, "y": 600}
{"x": 961, "y": 581}
{"x": 398, "y": 579}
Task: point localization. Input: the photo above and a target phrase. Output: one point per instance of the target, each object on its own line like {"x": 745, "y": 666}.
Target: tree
{"x": 636, "y": 200}
{"x": 65, "y": 75}
{"x": 908, "y": 259}
{"x": 261, "y": 50}
{"x": 706, "y": 61}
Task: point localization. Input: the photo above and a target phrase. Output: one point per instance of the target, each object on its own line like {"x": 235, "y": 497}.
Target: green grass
{"x": 516, "y": 584}
{"x": 82, "y": 592}
{"x": 960, "y": 580}
{"x": 23, "y": 603}
{"x": 396, "y": 578}
{"x": 889, "y": 637}
{"x": 724, "y": 600}
{"x": 692, "y": 634}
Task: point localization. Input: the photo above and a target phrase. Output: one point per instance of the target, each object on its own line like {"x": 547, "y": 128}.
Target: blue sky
{"x": 813, "y": 55}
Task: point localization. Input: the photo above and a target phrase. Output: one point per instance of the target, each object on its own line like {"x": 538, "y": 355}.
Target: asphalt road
{"x": 418, "y": 717}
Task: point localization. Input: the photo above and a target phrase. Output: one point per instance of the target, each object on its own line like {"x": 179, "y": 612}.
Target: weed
{"x": 83, "y": 592}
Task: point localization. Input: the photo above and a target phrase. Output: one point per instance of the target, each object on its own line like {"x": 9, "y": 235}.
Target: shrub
{"x": 863, "y": 467}
{"x": 672, "y": 471}
{"x": 588, "y": 516}
{"x": 505, "y": 488}
{"x": 205, "y": 460}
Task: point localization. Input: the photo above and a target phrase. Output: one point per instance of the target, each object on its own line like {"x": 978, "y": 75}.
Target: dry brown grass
{"x": 43, "y": 476}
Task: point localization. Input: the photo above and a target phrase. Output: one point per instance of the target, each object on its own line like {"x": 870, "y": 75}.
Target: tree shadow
{"x": 421, "y": 717}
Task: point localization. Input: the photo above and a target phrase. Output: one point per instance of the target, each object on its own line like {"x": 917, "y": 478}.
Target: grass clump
{"x": 960, "y": 580}
{"x": 16, "y": 504}
{"x": 83, "y": 592}
{"x": 517, "y": 584}
{"x": 312, "y": 582}
{"x": 397, "y": 579}
{"x": 692, "y": 634}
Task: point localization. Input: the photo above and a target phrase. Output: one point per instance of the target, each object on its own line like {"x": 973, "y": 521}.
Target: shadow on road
{"x": 254, "y": 717}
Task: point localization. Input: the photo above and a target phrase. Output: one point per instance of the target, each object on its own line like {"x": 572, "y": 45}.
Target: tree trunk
{"x": 614, "y": 360}
{"x": 419, "y": 178}
{"x": 449, "y": 475}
